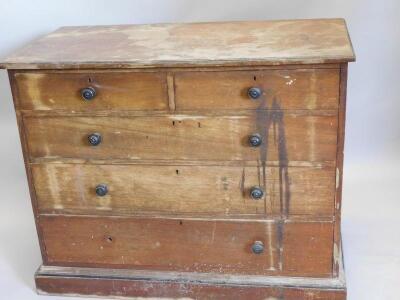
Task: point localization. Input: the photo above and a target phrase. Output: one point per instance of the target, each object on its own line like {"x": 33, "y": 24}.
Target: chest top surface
{"x": 190, "y": 44}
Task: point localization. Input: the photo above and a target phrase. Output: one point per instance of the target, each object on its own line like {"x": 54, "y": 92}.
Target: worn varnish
{"x": 160, "y": 45}
{"x": 187, "y": 190}
{"x": 189, "y": 245}
{"x": 190, "y": 137}
{"x": 114, "y": 90}
{"x": 143, "y": 283}
{"x": 174, "y": 201}
{"x": 288, "y": 89}
{"x": 191, "y": 290}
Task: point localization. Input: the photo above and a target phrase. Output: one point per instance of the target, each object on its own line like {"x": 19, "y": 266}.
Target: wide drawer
{"x": 113, "y": 90}
{"x": 183, "y": 190}
{"x": 284, "y": 89}
{"x": 303, "y": 249}
{"x": 284, "y": 137}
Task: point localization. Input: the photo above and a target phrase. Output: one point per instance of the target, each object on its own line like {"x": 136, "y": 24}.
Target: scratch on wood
{"x": 242, "y": 183}
{"x": 270, "y": 244}
{"x": 171, "y": 91}
{"x": 279, "y": 234}
{"x": 312, "y": 135}
{"x": 312, "y": 100}
{"x": 213, "y": 232}
{"x": 337, "y": 178}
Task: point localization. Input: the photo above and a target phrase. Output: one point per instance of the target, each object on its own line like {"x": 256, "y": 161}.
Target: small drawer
{"x": 257, "y": 90}
{"x": 263, "y": 137}
{"x": 224, "y": 191}
{"x": 228, "y": 247}
{"x": 81, "y": 91}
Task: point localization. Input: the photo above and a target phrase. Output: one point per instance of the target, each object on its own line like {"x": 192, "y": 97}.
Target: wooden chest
{"x": 186, "y": 160}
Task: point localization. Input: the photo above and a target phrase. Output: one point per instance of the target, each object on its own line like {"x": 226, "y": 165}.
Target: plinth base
{"x": 74, "y": 281}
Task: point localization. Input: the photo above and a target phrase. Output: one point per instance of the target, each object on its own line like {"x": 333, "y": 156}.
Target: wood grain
{"x": 196, "y": 44}
{"x": 188, "y": 137}
{"x": 114, "y": 90}
{"x": 283, "y": 89}
{"x": 185, "y": 244}
{"x": 182, "y": 190}
{"x": 161, "y": 244}
{"x": 300, "y": 255}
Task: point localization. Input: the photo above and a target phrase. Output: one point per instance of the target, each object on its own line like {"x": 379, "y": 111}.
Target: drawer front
{"x": 288, "y": 137}
{"x": 113, "y": 91}
{"x": 189, "y": 245}
{"x": 286, "y": 89}
{"x": 183, "y": 190}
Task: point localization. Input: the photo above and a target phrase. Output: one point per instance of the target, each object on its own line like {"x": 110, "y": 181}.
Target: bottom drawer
{"x": 220, "y": 246}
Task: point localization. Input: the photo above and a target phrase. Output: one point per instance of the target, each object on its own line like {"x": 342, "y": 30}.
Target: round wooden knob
{"x": 88, "y": 93}
{"x": 254, "y": 93}
{"x": 94, "y": 139}
{"x": 257, "y": 247}
{"x": 256, "y": 192}
{"x": 255, "y": 140}
{"x": 101, "y": 190}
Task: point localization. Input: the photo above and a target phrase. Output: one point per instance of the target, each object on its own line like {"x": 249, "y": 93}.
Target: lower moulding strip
{"x": 194, "y": 278}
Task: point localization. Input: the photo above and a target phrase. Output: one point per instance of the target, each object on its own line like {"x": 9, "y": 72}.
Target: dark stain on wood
{"x": 280, "y": 137}
{"x": 265, "y": 119}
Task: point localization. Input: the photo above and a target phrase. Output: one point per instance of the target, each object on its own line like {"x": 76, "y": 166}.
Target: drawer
{"x": 183, "y": 190}
{"x": 283, "y": 137}
{"x": 189, "y": 245}
{"x": 284, "y": 89}
{"x": 112, "y": 90}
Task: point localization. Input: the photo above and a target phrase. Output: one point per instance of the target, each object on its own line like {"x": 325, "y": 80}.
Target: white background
{"x": 371, "y": 209}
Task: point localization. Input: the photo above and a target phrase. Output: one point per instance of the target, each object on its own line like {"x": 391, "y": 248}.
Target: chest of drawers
{"x": 186, "y": 160}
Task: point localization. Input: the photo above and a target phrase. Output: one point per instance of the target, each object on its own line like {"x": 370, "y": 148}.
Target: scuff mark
{"x": 291, "y": 81}
{"x": 279, "y": 237}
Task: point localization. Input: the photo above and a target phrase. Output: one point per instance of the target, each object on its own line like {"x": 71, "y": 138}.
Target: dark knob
{"x": 254, "y": 92}
{"x": 257, "y": 247}
{"x": 94, "y": 139}
{"x": 101, "y": 190}
{"x": 256, "y": 192}
{"x": 88, "y": 93}
{"x": 255, "y": 140}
